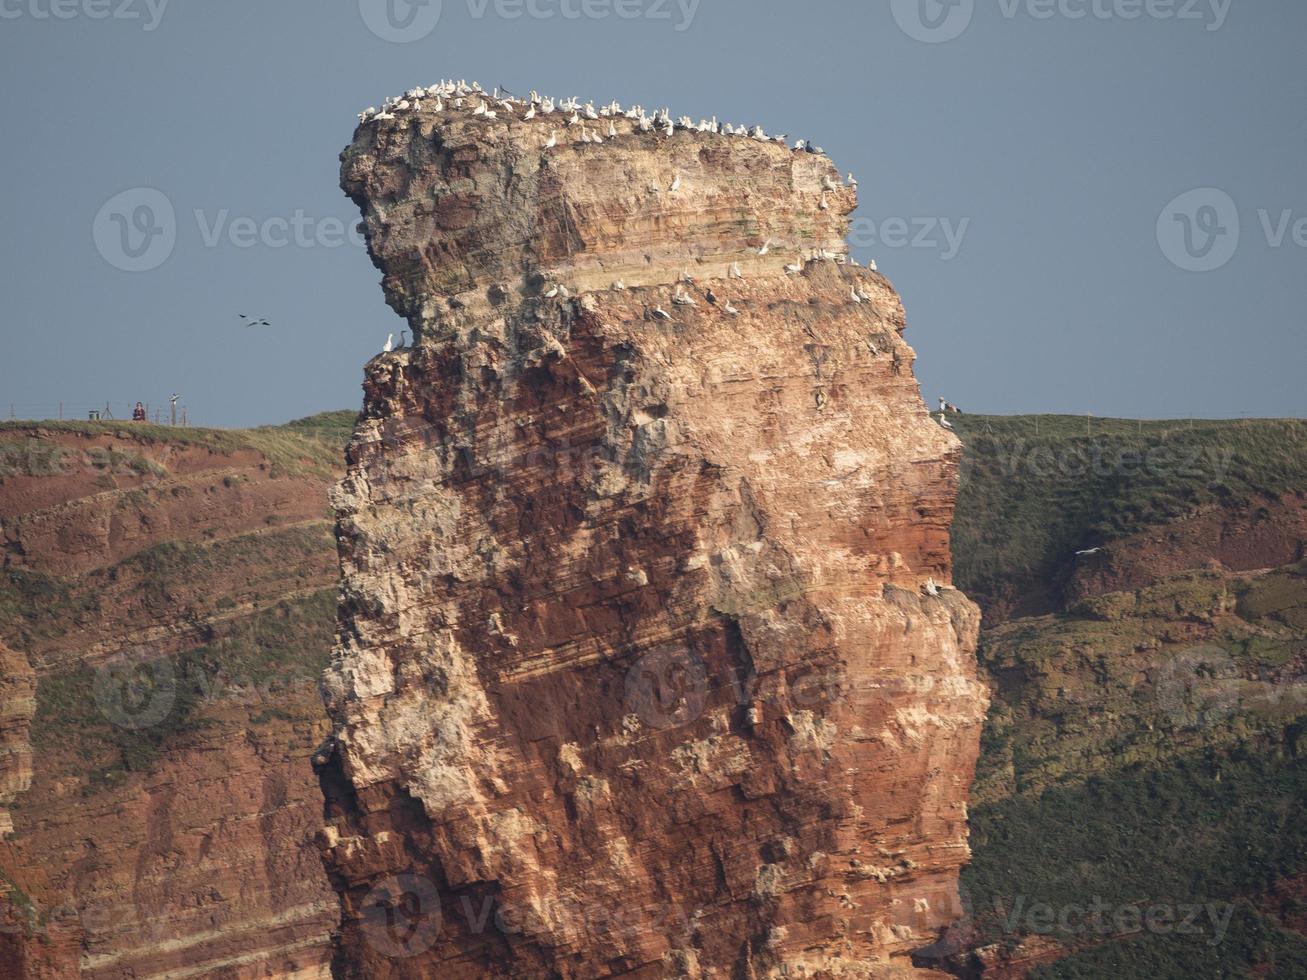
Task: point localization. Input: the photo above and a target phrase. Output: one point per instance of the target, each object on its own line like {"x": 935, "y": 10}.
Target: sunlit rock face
{"x": 638, "y": 672}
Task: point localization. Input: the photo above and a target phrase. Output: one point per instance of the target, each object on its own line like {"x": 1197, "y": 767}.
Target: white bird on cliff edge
{"x": 661, "y": 314}
{"x": 619, "y": 285}
{"x": 930, "y": 588}
{"x": 853, "y": 293}
{"x": 676, "y": 183}
{"x": 945, "y": 422}
{"x": 530, "y": 113}
{"x": 553, "y": 139}
{"x": 1086, "y": 553}
{"x": 871, "y": 264}
{"x": 612, "y": 129}
{"x": 730, "y": 310}
{"x": 553, "y": 292}
{"x": 390, "y": 343}
{"x": 794, "y": 267}
{"x": 766, "y": 247}
{"x": 735, "y": 272}
{"x": 683, "y": 299}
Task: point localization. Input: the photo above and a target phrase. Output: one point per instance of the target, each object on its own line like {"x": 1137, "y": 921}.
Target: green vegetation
{"x": 30, "y": 456}
{"x": 1145, "y": 748}
{"x": 1035, "y": 489}
{"x": 117, "y": 719}
{"x": 310, "y": 444}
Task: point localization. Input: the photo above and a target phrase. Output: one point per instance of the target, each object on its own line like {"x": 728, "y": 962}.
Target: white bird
{"x": 766, "y": 247}
{"x": 853, "y": 181}
{"x": 730, "y": 310}
{"x": 872, "y": 265}
{"x": 670, "y": 128}
{"x": 390, "y": 343}
{"x": 854, "y": 293}
{"x": 930, "y": 588}
{"x": 863, "y": 294}
{"x": 530, "y": 113}
{"x": 574, "y": 119}
{"x": 683, "y": 299}
{"x": 822, "y": 204}
{"x": 828, "y": 184}
{"x": 553, "y": 139}
{"x": 1088, "y": 552}
{"x": 794, "y": 267}
{"x": 553, "y": 292}
{"x": 686, "y": 277}
{"x": 619, "y": 285}
{"x": 612, "y": 129}
{"x": 585, "y": 137}
{"x": 480, "y": 110}
{"x": 735, "y": 272}
{"x": 676, "y": 183}
{"x": 945, "y": 422}
{"x": 661, "y": 314}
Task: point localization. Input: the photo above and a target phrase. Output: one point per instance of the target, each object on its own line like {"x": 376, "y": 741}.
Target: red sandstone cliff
{"x": 165, "y": 604}
{"x": 637, "y": 673}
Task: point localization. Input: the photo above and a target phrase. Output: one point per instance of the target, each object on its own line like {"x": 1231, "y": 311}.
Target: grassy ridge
{"x": 1144, "y": 748}
{"x": 1035, "y": 489}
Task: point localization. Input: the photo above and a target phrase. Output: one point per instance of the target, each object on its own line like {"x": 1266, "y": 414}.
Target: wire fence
{"x": 158, "y": 412}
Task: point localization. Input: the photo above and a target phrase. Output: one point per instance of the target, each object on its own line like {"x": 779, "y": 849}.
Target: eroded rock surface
{"x": 637, "y": 671}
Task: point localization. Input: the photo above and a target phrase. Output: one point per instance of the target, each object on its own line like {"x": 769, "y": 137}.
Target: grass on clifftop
{"x": 1035, "y": 489}
{"x": 315, "y": 443}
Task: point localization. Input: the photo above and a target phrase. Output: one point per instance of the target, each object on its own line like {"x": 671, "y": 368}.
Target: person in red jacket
{"x": 138, "y": 413}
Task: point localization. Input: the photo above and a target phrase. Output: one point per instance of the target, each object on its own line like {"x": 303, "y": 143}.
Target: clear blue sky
{"x": 1060, "y": 141}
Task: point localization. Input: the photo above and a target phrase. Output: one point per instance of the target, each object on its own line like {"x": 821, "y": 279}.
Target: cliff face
{"x": 165, "y": 608}
{"x": 636, "y": 673}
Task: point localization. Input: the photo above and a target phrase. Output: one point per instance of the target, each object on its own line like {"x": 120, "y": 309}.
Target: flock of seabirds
{"x": 471, "y": 97}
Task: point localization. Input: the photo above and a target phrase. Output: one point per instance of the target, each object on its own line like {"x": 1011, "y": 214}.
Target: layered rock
{"x": 166, "y": 605}
{"x": 640, "y": 671}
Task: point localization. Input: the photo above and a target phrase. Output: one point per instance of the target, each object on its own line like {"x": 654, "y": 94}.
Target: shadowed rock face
{"x": 636, "y": 675}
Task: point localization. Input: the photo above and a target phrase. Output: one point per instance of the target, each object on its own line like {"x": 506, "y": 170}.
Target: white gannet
{"x": 553, "y": 292}
{"x": 670, "y": 128}
{"x": 686, "y": 277}
{"x": 553, "y": 139}
{"x": 619, "y": 285}
{"x": 735, "y": 272}
{"x": 661, "y": 314}
{"x": 794, "y": 267}
{"x": 480, "y": 110}
{"x": 676, "y": 183}
{"x": 530, "y": 113}
{"x": 766, "y": 247}
{"x": 828, "y": 184}
{"x": 930, "y": 588}
{"x": 863, "y": 295}
{"x": 612, "y": 129}
{"x": 1087, "y": 552}
{"x": 390, "y": 343}
{"x": 683, "y": 299}
{"x": 822, "y": 203}
{"x": 853, "y": 181}
{"x": 945, "y": 422}
{"x": 729, "y": 309}
{"x": 871, "y": 264}
{"x": 854, "y": 293}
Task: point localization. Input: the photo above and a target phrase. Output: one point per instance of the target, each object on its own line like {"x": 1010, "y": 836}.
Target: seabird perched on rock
{"x": 686, "y": 277}
{"x": 661, "y": 314}
{"x": 766, "y": 247}
{"x": 730, "y": 310}
{"x": 871, "y": 264}
{"x": 619, "y": 285}
{"x": 1087, "y": 552}
{"x": 822, "y": 205}
{"x": 390, "y": 343}
{"x": 734, "y": 272}
{"x": 683, "y": 299}
{"x": 828, "y": 184}
{"x": 530, "y": 113}
{"x": 612, "y": 129}
{"x": 853, "y": 181}
{"x": 794, "y": 267}
{"x": 553, "y": 140}
{"x": 945, "y": 422}
{"x": 676, "y": 183}
{"x": 553, "y": 292}
{"x": 930, "y": 588}
{"x": 854, "y": 294}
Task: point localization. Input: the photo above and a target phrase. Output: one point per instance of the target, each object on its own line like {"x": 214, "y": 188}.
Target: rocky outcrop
{"x": 166, "y": 606}
{"x": 641, "y": 670}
